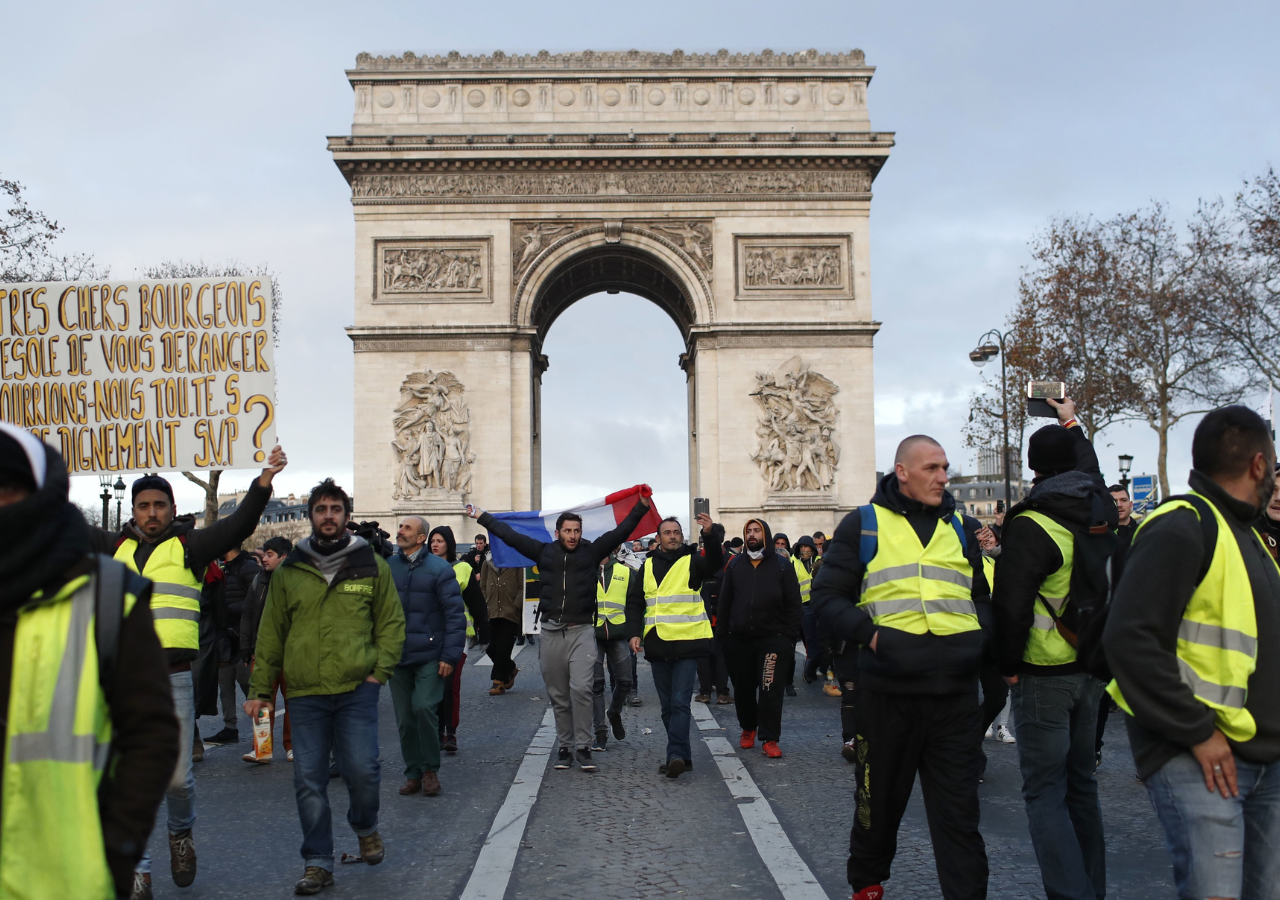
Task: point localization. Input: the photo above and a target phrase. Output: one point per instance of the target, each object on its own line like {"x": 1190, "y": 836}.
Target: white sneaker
{"x": 289, "y": 756}
{"x": 1005, "y": 736}
{"x": 987, "y": 735}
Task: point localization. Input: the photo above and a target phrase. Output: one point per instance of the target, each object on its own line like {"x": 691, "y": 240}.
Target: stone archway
{"x": 493, "y": 192}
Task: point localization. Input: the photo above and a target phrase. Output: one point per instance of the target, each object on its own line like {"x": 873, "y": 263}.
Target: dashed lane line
{"x": 793, "y": 877}
{"x": 484, "y": 659}
{"x": 492, "y": 870}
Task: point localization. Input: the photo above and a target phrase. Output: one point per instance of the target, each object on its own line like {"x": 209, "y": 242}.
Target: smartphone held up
{"x": 1039, "y": 393}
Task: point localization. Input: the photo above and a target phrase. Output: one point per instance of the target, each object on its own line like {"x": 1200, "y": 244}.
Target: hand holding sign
{"x": 275, "y": 463}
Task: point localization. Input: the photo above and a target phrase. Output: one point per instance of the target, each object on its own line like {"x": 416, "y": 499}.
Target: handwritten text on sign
{"x": 139, "y": 376}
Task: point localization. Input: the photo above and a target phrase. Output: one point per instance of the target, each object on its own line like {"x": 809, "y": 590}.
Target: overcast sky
{"x": 156, "y": 131}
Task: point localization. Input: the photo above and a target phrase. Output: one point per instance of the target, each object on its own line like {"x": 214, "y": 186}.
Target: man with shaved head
{"x": 902, "y": 578}
{"x": 435, "y": 629}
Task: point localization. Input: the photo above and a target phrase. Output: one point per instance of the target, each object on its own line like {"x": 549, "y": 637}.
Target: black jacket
{"x": 902, "y": 663}
{"x": 202, "y": 545}
{"x": 255, "y": 601}
{"x": 1142, "y": 633}
{"x": 472, "y": 596}
{"x": 703, "y": 565}
{"x": 239, "y": 574}
{"x": 567, "y": 577}
{"x": 760, "y": 598}
{"x": 1028, "y": 555}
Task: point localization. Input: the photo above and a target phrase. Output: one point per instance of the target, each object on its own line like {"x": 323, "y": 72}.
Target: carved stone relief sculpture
{"x": 693, "y": 236}
{"x": 431, "y": 269}
{"x": 433, "y": 438}
{"x": 794, "y": 267}
{"x": 528, "y": 239}
{"x": 796, "y": 431}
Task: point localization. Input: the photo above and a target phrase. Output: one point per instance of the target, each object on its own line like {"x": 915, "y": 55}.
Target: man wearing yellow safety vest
{"x": 668, "y": 620}
{"x": 1037, "y": 604}
{"x": 803, "y": 559}
{"x": 903, "y": 578}
{"x": 90, "y": 739}
{"x": 1193, "y": 640}
{"x": 612, "y": 650}
{"x": 175, "y": 555}
{"x": 442, "y": 543}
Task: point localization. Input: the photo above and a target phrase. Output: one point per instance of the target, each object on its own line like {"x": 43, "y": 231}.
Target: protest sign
{"x": 135, "y": 376}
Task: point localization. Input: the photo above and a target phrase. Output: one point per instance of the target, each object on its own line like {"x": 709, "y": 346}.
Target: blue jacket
{"x": 435, "y": 626}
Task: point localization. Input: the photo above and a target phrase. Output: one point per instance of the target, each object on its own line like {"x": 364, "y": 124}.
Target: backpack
{"x": 869, "y": 543}
{"x": 1089, "y": 647}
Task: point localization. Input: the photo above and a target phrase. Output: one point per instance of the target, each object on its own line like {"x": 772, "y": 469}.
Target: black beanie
{"x": 152, "y": 483}
{"x": 20, "y": 453}
{"x": 1052, "y": 450}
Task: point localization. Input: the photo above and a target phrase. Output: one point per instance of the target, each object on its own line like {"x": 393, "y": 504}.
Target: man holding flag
{"x": 568, "y": 567}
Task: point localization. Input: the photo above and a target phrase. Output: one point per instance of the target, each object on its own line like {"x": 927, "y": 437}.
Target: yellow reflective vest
{"x": 59, "y": 732}
{"x": 804, "y": 577}
{"x": 175, "y": 599}
{"x": 611, "y": 604}
{"x": 462, "y": 571}
{"x": 1217, "y": 646}
{"x": 915, "y": 588}
{"x": 1045, "y": 645}
{"x": 676, "y": 611}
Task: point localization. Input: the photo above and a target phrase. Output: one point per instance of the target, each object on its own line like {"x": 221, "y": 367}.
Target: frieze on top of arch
{"x": 611, "y": 60}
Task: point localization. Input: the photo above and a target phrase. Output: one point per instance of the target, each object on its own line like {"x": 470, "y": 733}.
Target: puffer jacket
{"x": 435, "y": 627}
{"x": 567, "y": 577}
{"x": 239, "y": 573}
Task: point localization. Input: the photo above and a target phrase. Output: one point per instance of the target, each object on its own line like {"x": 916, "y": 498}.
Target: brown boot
{"x": 430, "y": 783}
{"x": 510, "y": 682}
{"x": 182, "y": 858}
{"x": 498, "y": 688}
{"x": 412, "y": 786}
{"x": 371, "y": 849}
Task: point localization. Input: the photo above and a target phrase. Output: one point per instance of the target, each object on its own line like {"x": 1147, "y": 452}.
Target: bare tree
{"x": 193, "y": 270}
{"x": 27, "y": 237}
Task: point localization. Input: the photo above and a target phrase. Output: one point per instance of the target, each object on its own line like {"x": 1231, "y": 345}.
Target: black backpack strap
{"x": 1208, "y": 532}
{"x": 108, "y": 616}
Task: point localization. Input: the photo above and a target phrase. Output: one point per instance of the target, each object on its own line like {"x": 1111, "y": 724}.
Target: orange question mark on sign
{"x": 259, "y": 400}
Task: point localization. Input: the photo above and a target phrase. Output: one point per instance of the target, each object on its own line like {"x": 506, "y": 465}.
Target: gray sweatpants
{"x": 568, "y": 658}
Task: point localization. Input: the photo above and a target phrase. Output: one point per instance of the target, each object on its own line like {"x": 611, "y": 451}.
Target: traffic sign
{"x": 1144, "y": 493}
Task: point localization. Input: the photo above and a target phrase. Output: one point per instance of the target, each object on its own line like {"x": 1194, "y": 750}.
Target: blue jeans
{"x": 674, "y": 680}
{"x": 180, "y": 796}
{"x": 1055, "y": 717}
{"x": 1221, "y": 847}
{"x": 346, "y": 725}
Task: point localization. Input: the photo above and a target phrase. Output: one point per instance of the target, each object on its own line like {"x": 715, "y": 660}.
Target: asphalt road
{"x": 624, "y": 832}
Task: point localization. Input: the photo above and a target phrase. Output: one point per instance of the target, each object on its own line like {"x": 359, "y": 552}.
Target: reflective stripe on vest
{"x": 175, "y": 598}
{"x": 1045, "y": 645}
{"x": 676, "y": 612}
{"x": 462, "y": 571}
{"x": 803, "y": 576}
{"x": 59, "y": 732}
{"x": 918, "y": 589}
{"x": 1217, "y": 644}
{"x": 611, "y": 604}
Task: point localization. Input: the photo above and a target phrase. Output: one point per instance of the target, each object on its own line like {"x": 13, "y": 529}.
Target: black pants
{"x": 758, "y": 668}
{"x": 713, "y": 674}
{"x": 995, "y": 693}
{"x": 898, "y": 736}
{"x": 1104, "y": 710}
{"x": 502, "y": 640}
{"x": 845, "y": 667}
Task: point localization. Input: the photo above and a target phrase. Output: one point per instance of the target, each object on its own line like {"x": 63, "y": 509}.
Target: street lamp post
{"x": 104, "y": 481}
{"x": 980, "y": 356}
{"x": 118, "y": 487}
{"x": 1126, "y": 463}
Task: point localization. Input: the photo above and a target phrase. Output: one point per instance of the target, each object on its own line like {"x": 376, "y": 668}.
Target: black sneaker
{"x": 688, "y": 767}
{"x": 584, "y": 760}
{"x": 615, "y": 719}
{"x": 225, "y": 736}
{"x": 598, "y": 745}
{"x": 791, "y": 690}
{"x": 565, "y": 759}
{"x": 675, "y": 768}
{"x": 633, "y": 699}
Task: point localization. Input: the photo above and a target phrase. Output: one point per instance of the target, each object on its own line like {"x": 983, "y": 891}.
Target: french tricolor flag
{"x": 598, "y": 516}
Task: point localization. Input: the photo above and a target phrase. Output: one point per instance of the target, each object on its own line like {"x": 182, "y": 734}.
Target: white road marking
{"x": 484, "y": 660}
{"x": 793, "y": 877}
{"x": 492, "y": 871}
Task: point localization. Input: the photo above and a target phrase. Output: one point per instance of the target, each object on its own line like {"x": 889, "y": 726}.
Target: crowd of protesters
{"x": 930, "y": 628}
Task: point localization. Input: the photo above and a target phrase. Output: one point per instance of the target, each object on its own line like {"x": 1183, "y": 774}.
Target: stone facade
{"x": 732, "y": 190}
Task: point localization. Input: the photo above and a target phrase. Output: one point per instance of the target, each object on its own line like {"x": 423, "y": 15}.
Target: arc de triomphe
{"x": 732, "y": 190}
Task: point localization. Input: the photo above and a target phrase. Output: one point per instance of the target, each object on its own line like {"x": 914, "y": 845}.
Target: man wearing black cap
{"x": 175, "y": 555}
{"x": 76, "y": 821}
{"x": 1055, "y": 700}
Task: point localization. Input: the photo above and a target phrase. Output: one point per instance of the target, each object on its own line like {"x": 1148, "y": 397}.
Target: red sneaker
{"x": 870, "y": 892}
{"x": 772, "y": 750}
{"x": 748, "y": 740}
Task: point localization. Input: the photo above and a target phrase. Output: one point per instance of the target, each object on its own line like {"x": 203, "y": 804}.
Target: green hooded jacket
{"x": 328, "y": 638}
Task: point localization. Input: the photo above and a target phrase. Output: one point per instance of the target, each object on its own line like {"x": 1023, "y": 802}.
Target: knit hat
{"x": 1051, "y": 451}
{"x": 152, "y": 483}
{"x": 22, "y": 458}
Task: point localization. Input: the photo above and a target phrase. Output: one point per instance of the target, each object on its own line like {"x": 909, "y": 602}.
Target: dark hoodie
{"x": 902, "y": 663}
{"x": 760, "y": 598}
{"x": 805, "y": 541}
{"x": 703, "y": 566}
{"x": 1028, "y": 555}
{"x": 472, "y": 596}
{"x": 46, "y": 543}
